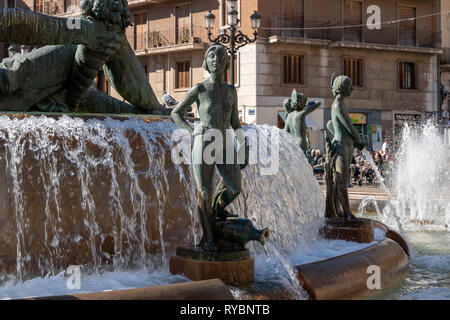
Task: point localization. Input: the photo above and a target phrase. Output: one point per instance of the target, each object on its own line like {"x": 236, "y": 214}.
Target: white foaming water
{"x": 289, "y": 202}
{"x": 421, "y": 180}
{"x": 117, "y": 280}
{"x": 323, "y": 249}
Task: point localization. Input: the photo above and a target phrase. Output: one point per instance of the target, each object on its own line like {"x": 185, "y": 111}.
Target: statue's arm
{"x": 235, "y": 122}
{"x": 312, "y": 105}
{"x": 182, "y": 107}
{"x": 127, "y": 76}
{"x": 287, "y": 106}
{"x": 286, "y": 126}
{"x": 343, "y": 117}
{"x": 31, "y": 28}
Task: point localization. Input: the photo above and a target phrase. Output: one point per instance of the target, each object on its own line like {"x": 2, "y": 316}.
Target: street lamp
{"x": 256, "y": 20}
{"x": 209, "y": 20}
{"x": 232, "y": 4}
{"x": 235, "y": 39}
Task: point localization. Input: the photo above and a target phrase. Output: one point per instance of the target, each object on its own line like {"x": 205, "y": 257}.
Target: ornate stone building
{"x": 395, "y": 69}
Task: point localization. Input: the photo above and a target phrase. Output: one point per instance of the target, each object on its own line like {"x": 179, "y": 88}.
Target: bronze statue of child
{"x": 217, "y": 109}
{"x": 297, "y": 109}
{"x": 344, "y": 137}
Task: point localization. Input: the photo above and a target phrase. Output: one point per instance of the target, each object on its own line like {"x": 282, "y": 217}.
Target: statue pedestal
{"x": 359, "y": 230}
{"x": 233, "y": 268}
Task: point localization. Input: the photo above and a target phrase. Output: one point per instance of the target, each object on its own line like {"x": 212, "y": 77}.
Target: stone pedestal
{"x": 233, "y": 268}
{"x": 359, "y": 230}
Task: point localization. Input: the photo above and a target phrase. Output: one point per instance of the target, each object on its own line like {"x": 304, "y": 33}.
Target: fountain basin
{"x": 104, "y": 193}
{"x": 338, "y": 278}
{"x": 198, "y": 290}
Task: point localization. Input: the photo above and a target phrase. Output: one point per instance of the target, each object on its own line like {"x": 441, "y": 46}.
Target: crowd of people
{"x": 361, "y": 169}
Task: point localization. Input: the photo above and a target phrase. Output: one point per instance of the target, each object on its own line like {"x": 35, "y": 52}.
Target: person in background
{"x": 386, "y": 155}
{"x": 318, "y": 162}
{"x": 378, "y": 159}
{"x": 385, "y": 145}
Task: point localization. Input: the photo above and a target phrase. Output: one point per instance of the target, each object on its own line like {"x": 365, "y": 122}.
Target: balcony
{"x": 161, "y": 40}
{"x": 387, "y": 35}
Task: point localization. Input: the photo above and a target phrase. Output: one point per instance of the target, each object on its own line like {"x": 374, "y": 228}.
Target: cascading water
{"x": 106, "y": 194}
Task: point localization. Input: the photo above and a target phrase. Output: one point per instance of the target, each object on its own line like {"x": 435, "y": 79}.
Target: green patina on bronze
{"x": 341, "y": 138}
{"x": 297, "y": 109}
{"x": 217, "y": 106}
{"x": 58, "y": 76}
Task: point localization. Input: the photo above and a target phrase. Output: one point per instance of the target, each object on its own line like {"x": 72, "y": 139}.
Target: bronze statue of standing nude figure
{"x": 341, "y": 138}
{"x": 297, "y": 108}
{"x": 217, "y": 108}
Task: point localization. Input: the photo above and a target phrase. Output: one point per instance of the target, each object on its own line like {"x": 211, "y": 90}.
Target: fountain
{"x": 113, "y": 196}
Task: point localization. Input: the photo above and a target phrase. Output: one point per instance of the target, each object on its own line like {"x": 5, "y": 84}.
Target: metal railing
{"x": 393, "y": 35}
{"x": 164, "y": 37}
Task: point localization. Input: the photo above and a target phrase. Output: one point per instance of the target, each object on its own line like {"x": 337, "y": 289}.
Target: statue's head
{"x": 216, "y": 59}
{"x": 341, "y": 85}
{"x": 298, "y": 101}
{"x": 112, "y": 12}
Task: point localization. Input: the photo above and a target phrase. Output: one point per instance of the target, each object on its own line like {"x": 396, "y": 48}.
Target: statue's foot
{"x": 264, "y": 234}
{"x": 225, "y": 214}
{"x": 350, "y": 216}
{"x": 208, "y": 245}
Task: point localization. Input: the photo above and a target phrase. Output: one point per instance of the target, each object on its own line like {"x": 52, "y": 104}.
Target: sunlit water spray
{"x": 421, "y": 180}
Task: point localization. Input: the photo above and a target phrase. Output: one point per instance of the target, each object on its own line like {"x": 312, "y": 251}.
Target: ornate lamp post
{"x": 235, "y": 38}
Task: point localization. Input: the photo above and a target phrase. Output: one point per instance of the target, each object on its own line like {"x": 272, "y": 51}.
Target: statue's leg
{"x": 96, "y": 101}
{"x": 203, "y": 174}
{"x": 30, "y": 78}
{"x": 341, "y": 180}
{"x": 228, "y": 189}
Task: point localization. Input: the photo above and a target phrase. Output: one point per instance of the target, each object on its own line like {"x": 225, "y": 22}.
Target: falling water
{"x": 380, "y": 178}
{"x": 105, "y": 193}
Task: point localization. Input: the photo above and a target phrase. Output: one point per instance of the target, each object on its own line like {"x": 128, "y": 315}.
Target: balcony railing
{"x": 392, "y": 35}
{"x": 163, "y": 38}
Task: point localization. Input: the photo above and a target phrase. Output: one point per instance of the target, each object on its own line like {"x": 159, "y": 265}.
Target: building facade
{"x": 395, "y": 69}
{"x": 445, "y": 62}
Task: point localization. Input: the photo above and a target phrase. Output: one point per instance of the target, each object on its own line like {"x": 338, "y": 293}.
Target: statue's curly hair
{"x": 213, "y": 47}
{"x": 340, "y": 83}
{"x": 112, "y": 12}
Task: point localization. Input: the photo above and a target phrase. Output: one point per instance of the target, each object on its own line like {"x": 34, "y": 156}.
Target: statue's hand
{"x": 247, "y": 154}
{"x": 101, "y": 39}
{"x": 313, "y": 104}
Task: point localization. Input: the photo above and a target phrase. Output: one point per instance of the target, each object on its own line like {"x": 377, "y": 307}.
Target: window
{"x": 407, "y": 28}
{"x": 39, "y": 5}
{"x": 182, "y": 77}
{"x": 140, "y": 31}
{"x": 71, "y": 5}
{"x": 223, "y": 13}
{"x": 407, "y": 75}
{"x": 227, "y": 75}
{"x": 293, "y": 18}
{"x": 46, "y": 7}
{"x": 292, "y": 69}
{"x": 101, "y": 82}
{"x": 182, "y": 23}
{"x": 11, "y": 4}
{"x": 353, "y": 68}
{"x": 353, "y": 16}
